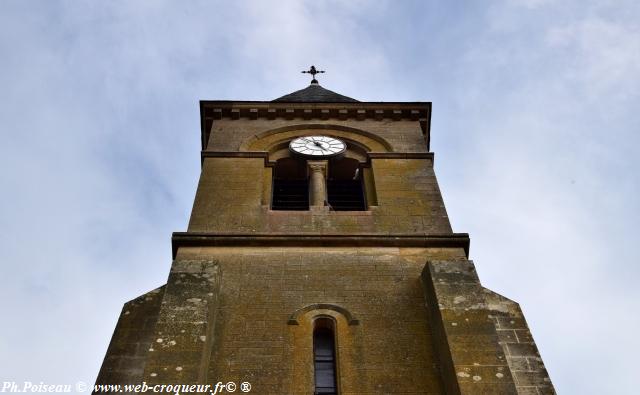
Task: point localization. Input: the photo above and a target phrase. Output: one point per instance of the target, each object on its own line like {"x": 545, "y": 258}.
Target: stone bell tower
{"x": 319, "y": 259}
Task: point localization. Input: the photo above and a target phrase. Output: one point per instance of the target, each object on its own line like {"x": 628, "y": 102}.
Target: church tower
{"x": 319, "y": 259}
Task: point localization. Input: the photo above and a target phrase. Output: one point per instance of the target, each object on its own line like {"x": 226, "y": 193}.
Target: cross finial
{"x": 313, "y": 73}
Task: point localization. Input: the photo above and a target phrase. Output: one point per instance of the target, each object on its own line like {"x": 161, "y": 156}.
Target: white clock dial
{"x": 317, "y": 146}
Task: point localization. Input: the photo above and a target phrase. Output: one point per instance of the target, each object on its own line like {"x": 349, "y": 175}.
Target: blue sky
{"x": 535, "y": 130}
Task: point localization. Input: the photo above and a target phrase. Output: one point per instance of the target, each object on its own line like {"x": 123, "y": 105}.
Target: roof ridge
{"x": 315, "y": 93}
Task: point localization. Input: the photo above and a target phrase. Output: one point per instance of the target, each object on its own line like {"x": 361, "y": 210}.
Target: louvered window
{"x": 290, "y": 185}
{"x": 345, "y": 190}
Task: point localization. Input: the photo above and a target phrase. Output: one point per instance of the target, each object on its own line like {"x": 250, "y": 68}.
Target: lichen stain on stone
{"x": 500, "y": 307}
{"x": 459, "y": 299}
{"x": 477, "y": 378}
{"x": 499, "y": 375}
{"x": 463, "y": 374}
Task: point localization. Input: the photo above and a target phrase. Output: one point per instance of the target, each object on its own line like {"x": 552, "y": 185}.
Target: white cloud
{"x": 605, "y": 56}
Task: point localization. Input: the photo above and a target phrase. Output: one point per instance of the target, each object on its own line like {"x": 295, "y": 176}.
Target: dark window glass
{"x": 346, "y": 195}
{"x": 290, "y": 185}
{"x": 290, "y": 195}
{"x": 324, "y": 360}
{"x": 345, "y": 191}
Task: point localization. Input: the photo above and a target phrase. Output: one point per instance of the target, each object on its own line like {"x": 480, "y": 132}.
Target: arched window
{"x": 290, "y": 185}
{"x": 344, "y": 185}
{"x": 324, "y": 356}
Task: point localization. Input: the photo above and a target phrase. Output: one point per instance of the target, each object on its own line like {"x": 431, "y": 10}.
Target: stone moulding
{"x": 219, "y": 109}
{"x": 369, "y": 141}
{"x": 361, "y": 110}
{"x": 200, "y": 239}
{"x": 351, "y": 320}
{"x": 265, "y": 155}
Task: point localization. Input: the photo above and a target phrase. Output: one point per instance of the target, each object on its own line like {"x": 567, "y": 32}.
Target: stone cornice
{"x": 265, "y": 155}
{"x": 400, "y": 155}
{"x": 235, "y": 154}
{"x": 211, "y": 111}
{"x": 270, "y": 110}
{"x": 200, "y": 239}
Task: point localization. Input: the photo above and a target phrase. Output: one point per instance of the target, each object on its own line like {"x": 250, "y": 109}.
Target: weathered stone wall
{"x": 226, "y": 201}
{"x": 184, "y": 330}
{"x": 465, "y": 337}
{"x": 246, "y": 314}
{"x": 389, "y": 350}
{"x": 403, "y": 136}
{"x": 481, "y": 339}
{"x": 408, "y": 202}
{"x": 409, "y": 199}
{"x": 127, "y": 354}
{"x": 522, "y": 354}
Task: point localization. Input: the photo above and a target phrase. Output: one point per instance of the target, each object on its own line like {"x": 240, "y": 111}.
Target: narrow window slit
{"x": 324, "y": 357}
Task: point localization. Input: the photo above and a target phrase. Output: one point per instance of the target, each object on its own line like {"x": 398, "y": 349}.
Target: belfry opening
{"x": 345, "y": 187}
{"x": 290, "y": 185}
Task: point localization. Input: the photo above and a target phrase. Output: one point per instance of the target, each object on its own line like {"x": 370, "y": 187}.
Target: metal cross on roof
{"x": 313, "y": 73}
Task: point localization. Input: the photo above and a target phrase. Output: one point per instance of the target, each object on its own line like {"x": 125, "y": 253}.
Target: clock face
{"x": 317, "y": 146}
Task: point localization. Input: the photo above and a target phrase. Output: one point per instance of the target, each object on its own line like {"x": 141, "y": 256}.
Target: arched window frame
{"x": 302, "y": 324}
{"x": 325, "y": 323}
{"x": 343, "y": 178}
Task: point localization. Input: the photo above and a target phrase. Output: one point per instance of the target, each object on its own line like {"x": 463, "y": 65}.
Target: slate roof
{"x": 315, "y": 93}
